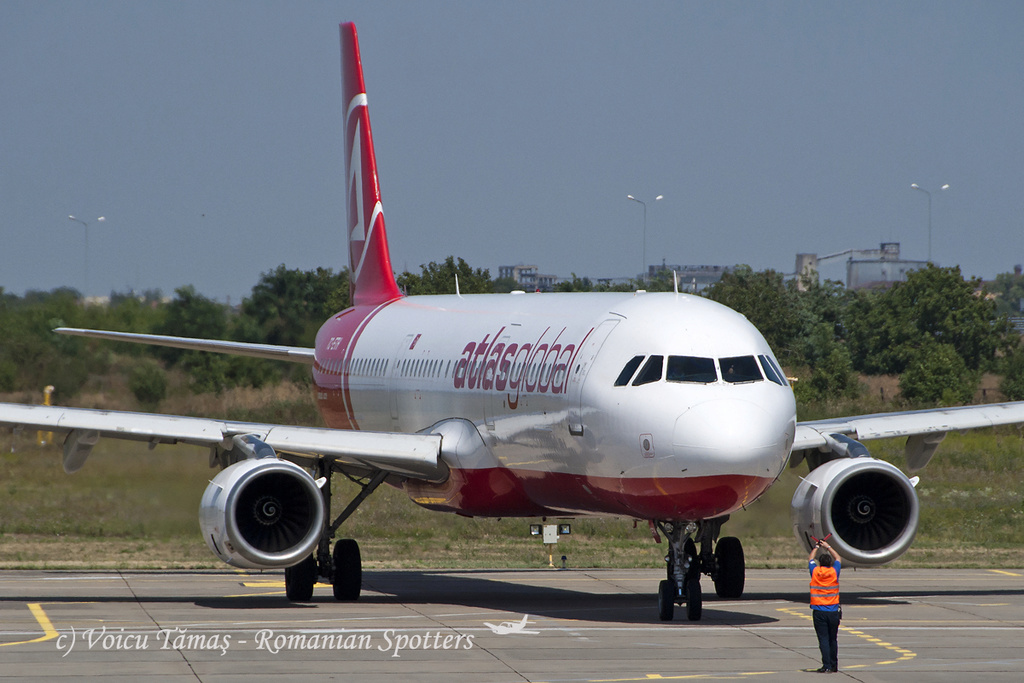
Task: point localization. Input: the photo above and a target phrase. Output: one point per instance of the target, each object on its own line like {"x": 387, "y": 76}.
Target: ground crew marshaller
{"x": 825, "y": 603}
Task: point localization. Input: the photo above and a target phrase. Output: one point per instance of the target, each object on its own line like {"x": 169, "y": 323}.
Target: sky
{"x": 209, "y": 136}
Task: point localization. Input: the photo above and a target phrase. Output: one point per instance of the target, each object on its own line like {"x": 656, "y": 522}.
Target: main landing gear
{"x": 342, "y": 568}
{"x": 684, "y": 566}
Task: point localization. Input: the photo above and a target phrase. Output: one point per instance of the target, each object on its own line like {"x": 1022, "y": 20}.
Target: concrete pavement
{"x": 431, "y": 625}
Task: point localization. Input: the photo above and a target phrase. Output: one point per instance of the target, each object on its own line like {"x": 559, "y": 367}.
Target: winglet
{"x": 371, "y": 279}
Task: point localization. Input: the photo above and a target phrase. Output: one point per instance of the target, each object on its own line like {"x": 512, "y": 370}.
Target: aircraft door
{"x": 579, "y": 371}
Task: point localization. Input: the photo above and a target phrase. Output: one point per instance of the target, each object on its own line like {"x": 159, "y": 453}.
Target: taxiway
{"x": 429, "y": 625}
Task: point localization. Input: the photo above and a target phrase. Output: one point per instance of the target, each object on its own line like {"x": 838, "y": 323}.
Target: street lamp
{"x": 643, "y": 266}
{"x": 915, "y": 186}
{"x": 85, "y": 259}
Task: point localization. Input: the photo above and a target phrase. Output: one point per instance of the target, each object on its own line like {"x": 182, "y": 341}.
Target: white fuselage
{"x": 536, "y": 374}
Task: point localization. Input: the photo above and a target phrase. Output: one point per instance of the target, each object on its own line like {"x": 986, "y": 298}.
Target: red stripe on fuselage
{"x": 500, "y": 492}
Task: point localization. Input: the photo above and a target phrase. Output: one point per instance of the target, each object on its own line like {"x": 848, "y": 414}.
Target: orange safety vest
{"x": 824, "y": 587}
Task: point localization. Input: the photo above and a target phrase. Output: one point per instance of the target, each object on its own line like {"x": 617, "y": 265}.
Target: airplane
{"x": 507, "y": 627}
{"x": 663, "y": 407}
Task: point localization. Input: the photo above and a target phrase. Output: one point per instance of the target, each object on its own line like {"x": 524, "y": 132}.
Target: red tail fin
{"x": 370, "y": 277}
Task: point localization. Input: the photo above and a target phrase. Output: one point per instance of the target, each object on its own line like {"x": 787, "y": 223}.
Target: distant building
{"x": 865, "y": 268}
{"x": 614, "y": 281}
{"x": 691, "y": 278}
{"x": 528, "y": 278}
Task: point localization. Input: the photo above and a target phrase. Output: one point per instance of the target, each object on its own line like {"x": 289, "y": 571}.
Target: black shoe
{"x": 823, "y": 670}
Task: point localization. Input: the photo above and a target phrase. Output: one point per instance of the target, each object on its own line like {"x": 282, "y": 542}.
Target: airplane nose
{"x": 732, "y": 437}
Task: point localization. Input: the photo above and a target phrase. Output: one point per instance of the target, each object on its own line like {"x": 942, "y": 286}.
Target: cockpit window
{"x": 691, "y": 369}
{"x": 627, "y": 372}
{"x": 651, "y": 371}
{"x": 740, "y": 369}
{"x": 772, "y": 371}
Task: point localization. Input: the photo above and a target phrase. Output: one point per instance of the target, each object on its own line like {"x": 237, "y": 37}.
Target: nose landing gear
{"x": 684, "y": 566}
{"x": 682, "y": 585}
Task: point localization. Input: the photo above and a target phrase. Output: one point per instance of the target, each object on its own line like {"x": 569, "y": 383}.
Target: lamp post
{"x": 643, "y": 266}
{"x": 915, "y": 186}
{"x": 85, "y": 259}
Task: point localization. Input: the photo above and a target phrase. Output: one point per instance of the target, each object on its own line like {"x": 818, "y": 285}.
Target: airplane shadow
{"x": 492, "y": 590}
{"x": 477, "y": 589}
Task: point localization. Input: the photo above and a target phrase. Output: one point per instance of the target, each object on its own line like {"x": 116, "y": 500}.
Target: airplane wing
{"x": 407, "y": 455}
{"x": 924, "y": 429}
{"x": 294, "y": 354}
{"x": 356, "y": 452}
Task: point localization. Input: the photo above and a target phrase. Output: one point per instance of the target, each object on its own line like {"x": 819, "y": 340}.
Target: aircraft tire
{"x": 348, "y": 570}
{"x": 300, "y": 579}
{"x": 694, "y": 606}
{"x": 666, "y": 600}
{"x": 729, "y": 579}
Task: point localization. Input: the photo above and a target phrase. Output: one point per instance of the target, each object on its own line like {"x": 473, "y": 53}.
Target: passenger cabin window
{"x": 651, "y": 372}
{"x": 627, "y": 371}
{"x": 691, "y": 369}
{"x": 740, "y": 369}
{"x": 772, "y": 371}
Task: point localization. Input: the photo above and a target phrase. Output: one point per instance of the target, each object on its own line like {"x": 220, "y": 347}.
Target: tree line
{"x": 938, "y": 332}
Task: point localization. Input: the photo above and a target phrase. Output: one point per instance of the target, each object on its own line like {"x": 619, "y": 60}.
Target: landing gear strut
{"x": 682, "y": 586}
{"x": 342, "y": 568}
{"x": 684, "y": 565}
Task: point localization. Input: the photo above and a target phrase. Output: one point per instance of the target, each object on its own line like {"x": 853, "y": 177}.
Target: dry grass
{"x": 237, "y": 400}
{"x": 886, "y": 388}
{"x": 35, "y": 551}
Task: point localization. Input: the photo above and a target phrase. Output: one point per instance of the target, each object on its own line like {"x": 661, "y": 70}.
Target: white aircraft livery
{"x": 664, "y": 407}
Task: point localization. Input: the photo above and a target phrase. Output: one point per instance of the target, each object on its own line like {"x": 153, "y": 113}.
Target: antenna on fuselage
{"x": 457, "y": 293}
{"x": 675, "y": 281}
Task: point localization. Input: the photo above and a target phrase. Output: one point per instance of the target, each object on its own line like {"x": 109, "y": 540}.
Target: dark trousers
{"x": 826, "y": 625}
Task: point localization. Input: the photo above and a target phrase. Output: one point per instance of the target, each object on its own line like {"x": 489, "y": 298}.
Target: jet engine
{"x": 869, "y": 506}
{"x": 261, "y": 513}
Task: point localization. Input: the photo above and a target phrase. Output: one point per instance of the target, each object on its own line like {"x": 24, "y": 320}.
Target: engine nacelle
{"x": 868, "y": 505}
{"x": 262, "y": 513}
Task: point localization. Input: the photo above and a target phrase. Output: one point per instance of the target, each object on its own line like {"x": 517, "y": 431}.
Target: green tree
{"x": 663, "y": 280}
{"x": 288, "y": 306}
{"x": 190, "y": 314}
{"x": 767, "y": 302}
{"x": 439, "y": 278}
{"x": 148, "y": 383}
{"x": 821, "y": 308}
{"x": 207, "y": 372}
{"x": 575, "y": 284}
{"x": 126, "y": 313}
{"x": 585, "y": 284}
{"x": 32, "y": 356}
{"x": 504, "y": 285}
{"x": 936, "y": 373}
{"x": 833, "y": 375}
{"x": 1012, "y": 384}
{"x": 886, "y": 329}
{"x": 1008, "y": 289}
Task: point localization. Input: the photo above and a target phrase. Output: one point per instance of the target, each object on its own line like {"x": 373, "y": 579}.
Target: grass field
{"x": 131, "y": 507}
